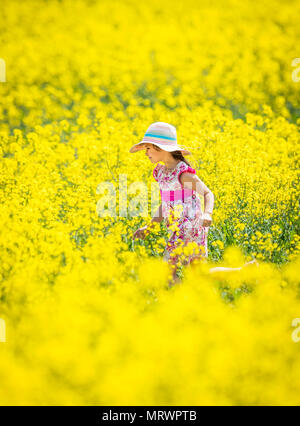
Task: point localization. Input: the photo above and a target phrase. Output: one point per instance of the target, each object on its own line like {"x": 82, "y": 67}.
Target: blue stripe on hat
{"x": 160, "y": 136}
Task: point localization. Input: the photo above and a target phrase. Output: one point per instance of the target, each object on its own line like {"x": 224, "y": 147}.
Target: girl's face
{"x": 155, "y": 155}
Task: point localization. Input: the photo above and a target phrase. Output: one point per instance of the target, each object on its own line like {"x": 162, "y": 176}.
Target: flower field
{"x": 89, "y": 318}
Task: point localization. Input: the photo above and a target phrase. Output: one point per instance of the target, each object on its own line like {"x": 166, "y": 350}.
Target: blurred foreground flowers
{"x": 135, "y": 342}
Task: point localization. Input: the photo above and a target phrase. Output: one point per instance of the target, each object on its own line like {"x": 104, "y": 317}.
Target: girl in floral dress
{"x": 183, "y": 215}
{"x": 180, "y": 206}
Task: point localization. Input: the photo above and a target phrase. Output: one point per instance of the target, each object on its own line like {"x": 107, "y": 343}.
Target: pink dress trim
{"x": 188, "y": 170}
{"x": 155, "y": 171}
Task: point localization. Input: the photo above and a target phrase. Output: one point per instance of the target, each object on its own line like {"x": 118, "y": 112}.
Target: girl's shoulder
{"x": 159, "y": 171}
{"x": 183, "y": 168}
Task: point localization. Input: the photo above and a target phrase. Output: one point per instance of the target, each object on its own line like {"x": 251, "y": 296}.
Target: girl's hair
{"x": 175, "y": 154}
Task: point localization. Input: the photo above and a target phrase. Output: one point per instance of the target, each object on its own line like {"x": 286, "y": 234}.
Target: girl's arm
{"x": 142, "y": 232}
{"x": 158, "y": 216}
{"x": 192, "y": 181}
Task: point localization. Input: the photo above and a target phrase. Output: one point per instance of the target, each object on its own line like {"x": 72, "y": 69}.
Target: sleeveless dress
{"x": 182, "y": 216}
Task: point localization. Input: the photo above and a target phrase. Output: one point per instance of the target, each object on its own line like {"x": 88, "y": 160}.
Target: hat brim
{"x": 169, "y": 148}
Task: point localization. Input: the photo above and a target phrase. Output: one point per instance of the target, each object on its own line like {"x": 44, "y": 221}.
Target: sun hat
{"x": 162, "y": 135}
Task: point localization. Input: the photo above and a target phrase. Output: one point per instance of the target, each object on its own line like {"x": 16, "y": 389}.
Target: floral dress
{"x": 182, "y": 218}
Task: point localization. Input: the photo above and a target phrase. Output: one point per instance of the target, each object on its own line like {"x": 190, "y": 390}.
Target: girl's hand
{"x": 205, "y": 219}
{"x": 140, "y": 233}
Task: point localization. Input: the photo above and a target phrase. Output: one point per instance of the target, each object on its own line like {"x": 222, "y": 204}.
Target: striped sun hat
{"x": 163, "y": 135}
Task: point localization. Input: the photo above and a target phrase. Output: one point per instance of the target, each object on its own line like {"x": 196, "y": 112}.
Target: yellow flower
{"x": 220, "y": 244}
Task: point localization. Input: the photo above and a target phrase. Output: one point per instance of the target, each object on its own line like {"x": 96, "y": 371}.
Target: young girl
{"x": 180, "y": 204}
